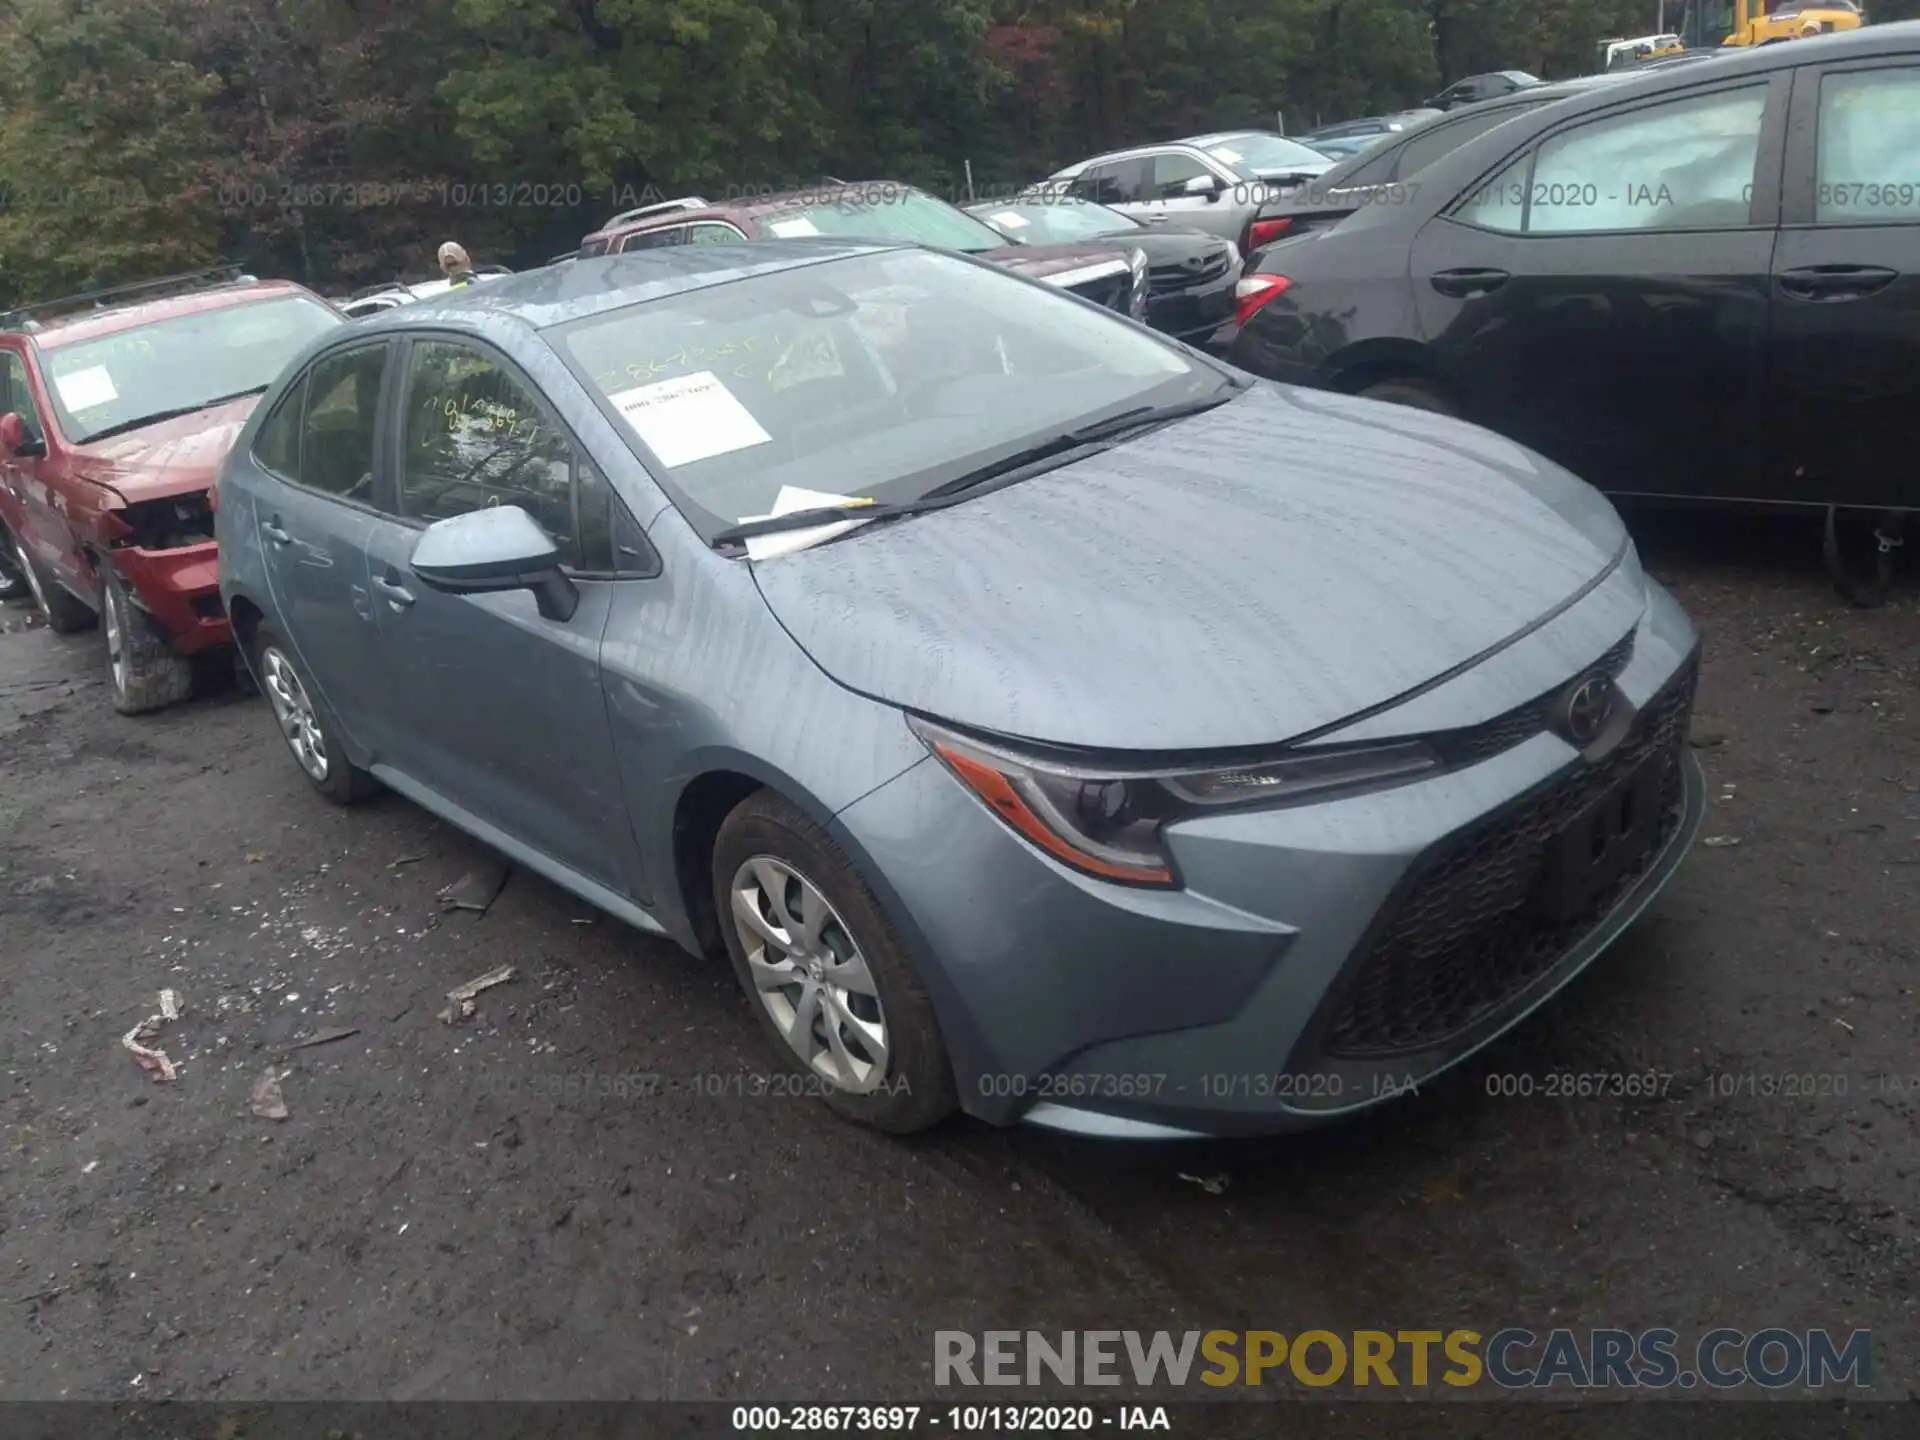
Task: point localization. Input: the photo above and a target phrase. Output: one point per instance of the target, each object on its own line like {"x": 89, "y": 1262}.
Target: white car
{"x": 378, "y": 299}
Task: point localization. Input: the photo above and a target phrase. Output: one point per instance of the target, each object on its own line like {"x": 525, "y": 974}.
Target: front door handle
{"x": 271, "y": 529}
{"x": 1460, "y": 284}
{"x": 1836, "y": 282}
{"x": 397, "y": 595}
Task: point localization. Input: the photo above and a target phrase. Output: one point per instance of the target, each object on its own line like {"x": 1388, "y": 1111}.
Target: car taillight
{"x": 1265, "y": 232}
{"x": 1254, "y": 291}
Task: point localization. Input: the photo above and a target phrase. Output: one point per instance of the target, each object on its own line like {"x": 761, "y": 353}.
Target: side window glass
{"x": 654, "y": 239}
{"x": 475, "y": 438}
{"x": 1376, "y": 171}
{"x": 1171, "y": 173}
{"x": 19, "y": 395}
{"x": 1867, "y": 147}
{"x": 277, "y": 445}
{"x": 1098, "y": 183}
{"x": 712, "y": 233}
{"x": 1500, "y": 203}
{"x": 1425, "y": 148}
{"x": 336, "y": 438}
{"x": 1687, "y": 164}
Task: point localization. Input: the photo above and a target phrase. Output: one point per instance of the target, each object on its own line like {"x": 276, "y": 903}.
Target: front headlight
{"x": 1137, "y": 262}
{"x": 1233, "y": 256}
{"x": 1107, "y": 820}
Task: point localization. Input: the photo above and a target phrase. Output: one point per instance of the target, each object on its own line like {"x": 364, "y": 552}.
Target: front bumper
{"x": 180, "y": 591}
{"x": 1313, "y": 966}
{"x": 1195, "y": 314}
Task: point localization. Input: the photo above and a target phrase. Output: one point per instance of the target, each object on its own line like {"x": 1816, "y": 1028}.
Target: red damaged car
{"x": 116, "y": 410}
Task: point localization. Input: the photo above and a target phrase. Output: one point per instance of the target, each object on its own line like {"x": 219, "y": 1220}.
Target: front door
{"x": 501, "y": 710}
{"x": 313, "y": 513}
{"x": 1603, "y": 299}
{"x": 1846, "y": 288}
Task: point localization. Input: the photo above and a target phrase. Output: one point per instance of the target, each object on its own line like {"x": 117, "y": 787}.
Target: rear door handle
{"x": 271, "y": 529}
{"x": 1459, "y": 284}
{"x": 1836, "y": 282}
{"x": 397, "y": 595}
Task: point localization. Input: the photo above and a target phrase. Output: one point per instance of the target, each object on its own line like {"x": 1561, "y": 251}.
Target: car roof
{"x": 82, "y": 325}
{"x": 1201, "y": 142}
{"x": 755, "y": 206}
{"x": 558, "y": 294}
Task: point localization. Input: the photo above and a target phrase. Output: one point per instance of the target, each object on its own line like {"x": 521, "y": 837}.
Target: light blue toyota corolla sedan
{"x": 1048, "y": 721}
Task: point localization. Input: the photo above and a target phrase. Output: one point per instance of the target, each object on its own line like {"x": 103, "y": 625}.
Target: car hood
{"x": 1046, "y": 262}
{"x": 174, "y": 457}
{"x": 1244, "y": 577}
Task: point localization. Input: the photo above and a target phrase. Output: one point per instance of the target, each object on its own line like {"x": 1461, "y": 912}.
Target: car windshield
{"x": 877, "y": 375}
{"x": 887, "y": 212}
{"x": 1057, "y": 222}
{"x": 179, "y": 364}
{"x": 1255, "y": 154}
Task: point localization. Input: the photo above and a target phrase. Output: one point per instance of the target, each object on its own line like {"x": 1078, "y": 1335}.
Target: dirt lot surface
{"x": 472, "y": 1211}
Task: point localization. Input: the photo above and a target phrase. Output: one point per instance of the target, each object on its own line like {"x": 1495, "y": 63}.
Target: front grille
{"x": 1487, "y": 739}
{"x": 1113, "y": 291}
{"x": 1167, "y": 279}
{"x": 1467, "y": 938}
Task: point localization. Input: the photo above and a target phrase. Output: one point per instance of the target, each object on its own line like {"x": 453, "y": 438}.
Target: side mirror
{"x": 1207, "y": 185}
{"x": 486, "y": 552}
{"x": 15, "y": 440}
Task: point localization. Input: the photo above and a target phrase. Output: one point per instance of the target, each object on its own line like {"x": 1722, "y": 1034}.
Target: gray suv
{"x": 1215, "y": 183}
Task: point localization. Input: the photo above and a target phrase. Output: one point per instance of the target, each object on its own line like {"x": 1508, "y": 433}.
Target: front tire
{"x": 1414, "y": 394}
{"x": 826, "y": 974}
{"x": 308, "y": 731}
{"x": 147, "y": 673}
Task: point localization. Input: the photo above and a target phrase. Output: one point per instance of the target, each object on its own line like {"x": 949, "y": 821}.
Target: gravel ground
{"x": 440, "y": 1215}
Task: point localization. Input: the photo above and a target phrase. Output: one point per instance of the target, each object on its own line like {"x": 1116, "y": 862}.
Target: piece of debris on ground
{"x": 477, "y": 889}
{"x": 268, "y": 1102}
{"x": 325, "y": 1037}
{"x": 136, "y": 1041}
{"x": 460, "y": 999}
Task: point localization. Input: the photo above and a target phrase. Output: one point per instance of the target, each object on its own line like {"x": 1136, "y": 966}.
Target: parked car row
{"x": 1699, "y": 282}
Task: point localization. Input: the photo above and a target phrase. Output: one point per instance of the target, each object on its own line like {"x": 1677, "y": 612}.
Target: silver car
{"x": 1045, "y": 720}
{"x": 1211, "y": 182}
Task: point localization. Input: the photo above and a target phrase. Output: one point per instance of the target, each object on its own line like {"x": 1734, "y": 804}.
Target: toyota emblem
{"x": 1588, "y": 707}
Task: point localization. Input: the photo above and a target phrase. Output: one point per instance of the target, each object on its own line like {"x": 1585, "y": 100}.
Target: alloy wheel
{"x": 810, "y": 975}
{"x": 116, "y": 628}
{"x": 33, "y": 577}
{"x": 294, "y": 711}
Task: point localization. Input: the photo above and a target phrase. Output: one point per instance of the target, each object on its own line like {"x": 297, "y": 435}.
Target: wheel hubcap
{"x": 33, "y": 578}
{"x": 810, "y": 975}
{"x": 116, "y": 640}
{"x": 295, "y": 713}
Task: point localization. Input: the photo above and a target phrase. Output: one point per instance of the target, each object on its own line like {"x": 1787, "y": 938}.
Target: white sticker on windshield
{"x": 1012, "y": 219}
{"x": 793, "y": 229}
{"x": 84, "y": 389}
{"x": 1221, "y": 152}
{"x": 689, "y": 418}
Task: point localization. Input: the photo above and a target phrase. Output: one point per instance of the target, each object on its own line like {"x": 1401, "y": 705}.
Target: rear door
{"x": 1846, "y": 288}
{"x": 496, "y": 708}
{"x": 313, "y": 510}
{"x": 1603, "y": 297}
{"x": 20, "y": 474}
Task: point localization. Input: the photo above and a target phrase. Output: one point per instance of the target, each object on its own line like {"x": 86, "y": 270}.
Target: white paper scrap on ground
{"x": 793, "y": 229}
{"x": 84, "y": 389}
{"x": 790, "y": 499}
{"x": 689, "y": 418}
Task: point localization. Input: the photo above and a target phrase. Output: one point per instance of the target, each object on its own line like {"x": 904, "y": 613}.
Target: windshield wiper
{"x": 141, "y": 421}
{"x": 1022, "y": 464}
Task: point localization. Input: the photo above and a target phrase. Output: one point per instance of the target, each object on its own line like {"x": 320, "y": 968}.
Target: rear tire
{"x": 1414, "y": 394}
{"x": 820, "y": 960}
{"x": 13, "y": 580}
{"x": 147, "y": 673}
{"x": 64, "y": 613}
{"x": 307, "y": 729}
